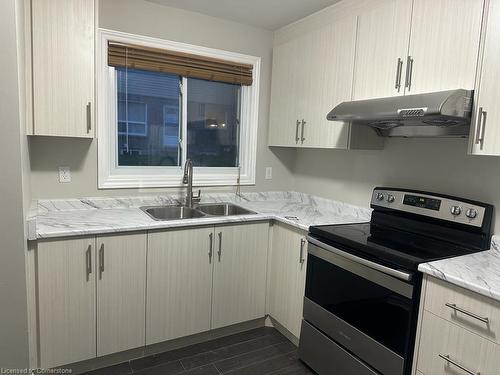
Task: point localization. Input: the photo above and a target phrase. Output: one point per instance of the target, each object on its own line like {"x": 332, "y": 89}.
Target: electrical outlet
{"x": 269, "y": 173}
{"x": 64, "y": 175}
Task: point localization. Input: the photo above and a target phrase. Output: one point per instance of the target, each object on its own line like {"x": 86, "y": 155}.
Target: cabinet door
{"x": 444, "y": 44}
{"x": 283, "y": 127}
{"x": 485, "y": 134}
{"x": 179, "y": 283}
{"x": 288, "y": 276}
{"x": 239, "y": 282}
{"x": 121, "y": 292}
{"x": 442, "y": 338}
{"x": 63, "y": 67}
{"x": 66, "y": 301}
{"x": 328, "y": 69}
{"x": 382, "y": 44}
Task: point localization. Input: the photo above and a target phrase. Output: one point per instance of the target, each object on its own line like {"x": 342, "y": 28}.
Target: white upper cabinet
{"x": 284, "y": 97}
{"x": 485, "y": 132}
{"x": 326, "y": 84}
{"x": 381, "y": 49}
{"x": 312, "y": 73}
{"x": 63, "y": 67}
{"x": 444, "y": 45}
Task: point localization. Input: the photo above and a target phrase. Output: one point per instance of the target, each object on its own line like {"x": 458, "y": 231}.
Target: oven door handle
{"x": 387, "y": 270}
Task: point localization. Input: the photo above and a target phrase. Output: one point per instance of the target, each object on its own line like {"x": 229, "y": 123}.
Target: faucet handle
{"x": 197, "y": 198}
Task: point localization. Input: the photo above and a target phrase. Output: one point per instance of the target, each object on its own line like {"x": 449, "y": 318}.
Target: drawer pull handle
{"x": 468, "y": 313}
{"x": 455, "y": 363}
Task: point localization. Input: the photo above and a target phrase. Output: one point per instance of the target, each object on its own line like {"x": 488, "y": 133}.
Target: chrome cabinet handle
{"x": 302, "y": 139}
{"x": 88, "y": 261}
{"x": 89, "y": 117}
{"x": 301, "y": 257}
{"x": 297, "y": 132}
{"x": 101, "y": 261}
{"x": 409, "y": 72}
{"x": 211, "y": 248}
{"x": 456, "y": 364}
{"x": 399, "y": 71}
{"x": 468, "y": 313}
{"x": 219, "y": 253}
{"x": 481, "y": 124}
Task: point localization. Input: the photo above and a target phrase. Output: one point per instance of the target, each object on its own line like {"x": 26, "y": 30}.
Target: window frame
{"x": 112, "y": 176}
{"x": 145, "y": 123}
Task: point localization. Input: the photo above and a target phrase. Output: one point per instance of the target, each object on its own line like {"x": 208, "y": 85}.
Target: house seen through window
{"x": 150, "y": 126}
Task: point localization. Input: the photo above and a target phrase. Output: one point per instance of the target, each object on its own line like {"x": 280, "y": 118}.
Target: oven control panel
{"x": 429, "y": 205}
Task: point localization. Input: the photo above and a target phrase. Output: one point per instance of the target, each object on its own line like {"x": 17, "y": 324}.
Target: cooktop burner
{"x": 386, "y": 245}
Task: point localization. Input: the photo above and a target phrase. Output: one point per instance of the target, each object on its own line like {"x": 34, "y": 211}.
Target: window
{"x": 151, "y": 120}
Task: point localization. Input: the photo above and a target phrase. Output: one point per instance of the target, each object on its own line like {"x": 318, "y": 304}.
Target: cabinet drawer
{"x": 470, "y": 310}
{"x": 446, "y": 348}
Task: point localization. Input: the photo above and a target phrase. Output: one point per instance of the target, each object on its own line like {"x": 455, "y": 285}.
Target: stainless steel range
{"x": 363, "y": 288}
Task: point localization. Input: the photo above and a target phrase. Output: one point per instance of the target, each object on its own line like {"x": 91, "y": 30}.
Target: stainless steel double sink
{"x": 199, "y": 211}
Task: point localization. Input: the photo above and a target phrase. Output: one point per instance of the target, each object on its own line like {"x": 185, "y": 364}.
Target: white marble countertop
{"x": 479, "y": 272}
{"x": 90, "y": 216}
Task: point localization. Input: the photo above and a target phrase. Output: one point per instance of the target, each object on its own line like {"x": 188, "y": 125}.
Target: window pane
{"x": 213, "y": 123}
{"x": 148, "y": 118}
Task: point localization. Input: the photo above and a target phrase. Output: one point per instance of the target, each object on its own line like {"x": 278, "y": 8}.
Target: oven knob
{"x": 380, "y": 197}
{"x": 455, "y": 210}
{"x": 471, "y": 213}
{"x": 390, "y": 198}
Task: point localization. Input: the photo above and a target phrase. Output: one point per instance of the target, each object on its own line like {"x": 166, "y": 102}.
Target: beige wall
{"x": 436, "y": 165}
{"x": 13, "y": 310}
{"x": 145, "y": 18}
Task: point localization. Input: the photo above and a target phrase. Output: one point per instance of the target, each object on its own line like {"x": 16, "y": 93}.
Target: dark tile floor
{"x": 260, "y": 351}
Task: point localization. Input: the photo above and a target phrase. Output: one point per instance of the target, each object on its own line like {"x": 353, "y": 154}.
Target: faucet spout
{"x": 188, "y": 179}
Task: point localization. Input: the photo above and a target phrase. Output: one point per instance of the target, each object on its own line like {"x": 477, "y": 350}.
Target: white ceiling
{"x": 268, "y": 14}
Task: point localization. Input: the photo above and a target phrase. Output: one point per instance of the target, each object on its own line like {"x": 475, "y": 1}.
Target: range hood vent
{"x": 436, "y": 114}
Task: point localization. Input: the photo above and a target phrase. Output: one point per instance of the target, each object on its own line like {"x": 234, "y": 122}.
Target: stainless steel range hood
{"x": 437, "y": 114}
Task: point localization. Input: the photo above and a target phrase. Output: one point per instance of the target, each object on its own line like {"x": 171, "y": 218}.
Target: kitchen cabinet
{"x": 485, "y": 129}
{"x": 311, "y": 74}
{"x": 66, "y": 301}
{"x": 62, "y": 37}
{"x": 457, "y": 331}
{"x": 240, "y": 268}
{"x": 422, "y": 46}
{"x": 381, "y": 49}
{"x": 458, "y": 346}
{"x": 121, "y": 292}
{"x": 179, "y": 283}
{"x": 288, "y": 266}
{"x": 444, "y": 45}
{"x": 205, "y": 278}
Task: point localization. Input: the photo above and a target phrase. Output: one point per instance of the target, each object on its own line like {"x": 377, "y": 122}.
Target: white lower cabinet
{"x": 455, "y": 335}
{"x": 287, "y": 276}
{"x": 239, "y": 282}
{"x": 107, "y": 294}
{"x": 121, "y": 292}
{"x": 66, "y": 301}
{"x": 179, "y": 283}
{"x": 205, "y": 278}
{"x": 446, "y": 348}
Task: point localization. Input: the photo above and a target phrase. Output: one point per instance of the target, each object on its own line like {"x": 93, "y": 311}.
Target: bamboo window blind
{"x": 180, "y": 63}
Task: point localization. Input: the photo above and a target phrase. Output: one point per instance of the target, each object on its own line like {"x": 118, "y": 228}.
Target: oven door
{"x": 364, "y": 307}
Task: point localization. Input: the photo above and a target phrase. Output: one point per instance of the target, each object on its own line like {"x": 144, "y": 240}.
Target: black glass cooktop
{"x": 393, "y": 247}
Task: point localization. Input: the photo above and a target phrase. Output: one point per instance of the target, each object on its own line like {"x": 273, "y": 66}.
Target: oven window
{"x": 378, "y": 312}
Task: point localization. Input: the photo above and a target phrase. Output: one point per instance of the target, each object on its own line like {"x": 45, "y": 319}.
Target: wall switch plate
{"x": 269, "y": 173}
{"x": 64, "y": 175}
